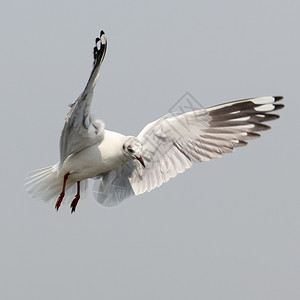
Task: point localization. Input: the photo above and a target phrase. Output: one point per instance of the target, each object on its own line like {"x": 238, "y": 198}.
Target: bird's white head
{"x": 133, "y": 148}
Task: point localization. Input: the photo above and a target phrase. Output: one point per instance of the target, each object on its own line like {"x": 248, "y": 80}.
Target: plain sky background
{"x": 227, "y": 229}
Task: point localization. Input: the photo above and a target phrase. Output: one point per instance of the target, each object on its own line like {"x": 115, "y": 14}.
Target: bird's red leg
{"x": 62, "y": 194}
{"x": 76, "y": 199}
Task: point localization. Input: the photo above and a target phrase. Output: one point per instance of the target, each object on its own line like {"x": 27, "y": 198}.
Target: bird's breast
{"x": 96, "y": 159}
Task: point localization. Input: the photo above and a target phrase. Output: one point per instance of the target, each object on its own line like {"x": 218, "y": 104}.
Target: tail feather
{"x": 46, "y": 184}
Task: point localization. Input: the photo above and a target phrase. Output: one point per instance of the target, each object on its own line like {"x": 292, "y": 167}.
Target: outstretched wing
{"x": 80, "y": 129}
{"x": 172, "y": 143}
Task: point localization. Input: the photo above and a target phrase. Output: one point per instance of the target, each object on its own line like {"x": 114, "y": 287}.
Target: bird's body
{"x": 124, "y": 165}
{"x": 96, "y": 159}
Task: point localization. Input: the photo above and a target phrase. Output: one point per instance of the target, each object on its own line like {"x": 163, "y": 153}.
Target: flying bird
{"x": 124, "y": 166}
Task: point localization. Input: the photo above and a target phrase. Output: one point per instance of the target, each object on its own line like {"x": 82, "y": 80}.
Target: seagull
{"x": 123, "y": 166}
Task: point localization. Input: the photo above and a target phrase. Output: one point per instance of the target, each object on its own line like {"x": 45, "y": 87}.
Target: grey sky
{"x": 227, "y": 229}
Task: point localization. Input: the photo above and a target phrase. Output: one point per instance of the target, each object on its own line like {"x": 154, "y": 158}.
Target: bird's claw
{"x": 59, "y": 200}
{"x": 74, "y": 203}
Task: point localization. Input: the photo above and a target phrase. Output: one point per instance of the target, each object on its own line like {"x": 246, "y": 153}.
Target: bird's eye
{"x": 130, "y": 150}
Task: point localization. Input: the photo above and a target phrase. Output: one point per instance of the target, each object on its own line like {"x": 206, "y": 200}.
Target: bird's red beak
{"x": 140, "y": 159}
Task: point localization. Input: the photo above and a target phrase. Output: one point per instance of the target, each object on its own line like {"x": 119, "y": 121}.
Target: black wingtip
{"x": 101, "y": 33}
{"x": 277, "y": 98}
{"x": 279, "y": 106}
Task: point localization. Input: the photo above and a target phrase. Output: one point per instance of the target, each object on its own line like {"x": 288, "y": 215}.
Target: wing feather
{"x": 172, "y": 143}
{"x": 80, "y": 129}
